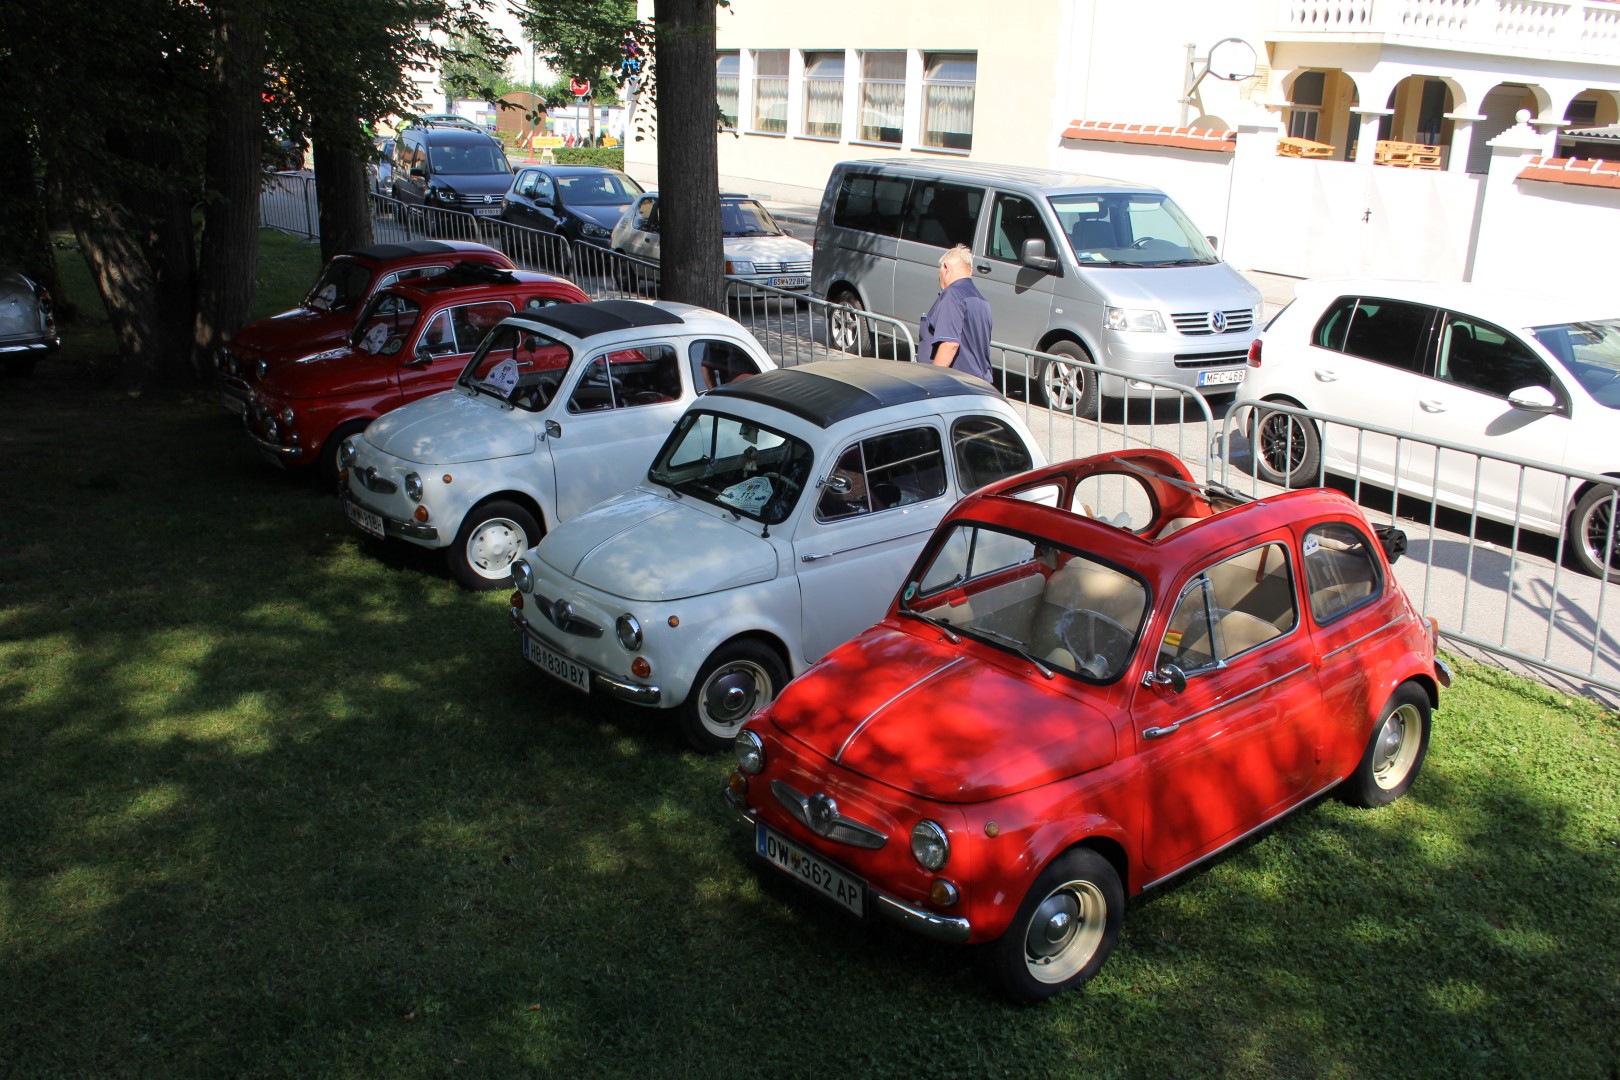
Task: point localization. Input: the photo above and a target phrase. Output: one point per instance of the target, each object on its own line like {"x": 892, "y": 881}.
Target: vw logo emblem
{"x": 823, "y": 813}
{"x": 562, "y": 612}
{"x": 488, "y": 199}
{"x": 1217, "y": 321}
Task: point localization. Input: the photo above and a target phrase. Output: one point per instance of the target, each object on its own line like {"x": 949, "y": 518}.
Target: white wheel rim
{"x": 493, "y": 546}
{"x": 1396, "y": 747}
{"x": 1065, "y": 932}
{"x": 731, "y": 695}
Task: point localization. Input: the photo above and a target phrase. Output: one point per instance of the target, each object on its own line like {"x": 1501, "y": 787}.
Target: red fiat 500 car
{"x": 412, "y": 339}
{"x": 1097, "y": 675}
{"x": 328, "y": 312}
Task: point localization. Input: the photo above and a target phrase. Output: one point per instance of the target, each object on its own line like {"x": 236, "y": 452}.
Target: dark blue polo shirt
{"x": 960, "y": 314}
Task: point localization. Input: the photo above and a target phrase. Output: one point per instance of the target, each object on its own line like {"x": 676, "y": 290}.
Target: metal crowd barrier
{"x": 287, "y": 203}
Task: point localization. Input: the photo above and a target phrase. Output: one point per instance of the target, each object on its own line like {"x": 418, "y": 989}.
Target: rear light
{"x": 1254, "y": 353}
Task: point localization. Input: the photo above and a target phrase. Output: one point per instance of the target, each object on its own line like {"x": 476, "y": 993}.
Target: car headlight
{"x": 413, "y": 486}
{"x": 224, "y": 361}
{"x": 739, "y": 266}
{"x": 522, "y": 576}
{"x": 348, "y": 451}
{"x": 750, "y": 752}
{"x": 261, "y": 368}
{"x": 1115, "y": 318}
{"x": 629, "y": 632}
{"x": 929, "y": 845}
{"x": 271, "y": 431}
{"x": 588, "y": 229}
{"x": 286, "y": 415}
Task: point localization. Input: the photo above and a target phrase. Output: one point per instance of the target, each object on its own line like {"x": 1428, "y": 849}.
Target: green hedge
{"x": 611, "y": 157}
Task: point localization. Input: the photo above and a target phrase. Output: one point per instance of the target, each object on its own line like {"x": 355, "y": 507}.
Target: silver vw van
{"x": 1077, "y": 266}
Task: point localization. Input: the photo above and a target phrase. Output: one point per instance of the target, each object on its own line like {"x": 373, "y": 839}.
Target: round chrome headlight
{"x": 522, "y": 576}
{"x": 271, "y": 430}
{"x": 413, "y": 486}
{"x": 262, "y": 368}
{"x": 628, "y": 631}
{"x": 287, "y": 415}
{"x": 929, "y": 845}
{"x": 750, "y": 752}
{"x": 347, "y": 452}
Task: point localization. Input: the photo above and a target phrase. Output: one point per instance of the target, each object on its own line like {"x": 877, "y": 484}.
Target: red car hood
{"x": 931, "y": 719}
{"x": 293, "y": 333}
{"x": 334, "y": 373}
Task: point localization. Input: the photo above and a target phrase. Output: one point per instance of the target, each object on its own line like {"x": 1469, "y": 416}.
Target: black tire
{"x": 1287, "y": 449}
{"x": 740, "y": 678}
{"x": 326, "y": 463}
{"x": 1068, "y": 389}
{"x": 492, "y": 536}
{"x": 1395, "y": 751}
{"x": 847, "y": 331}
{"x": 1589, "y": 535}
{"x": 1064, "y": 930}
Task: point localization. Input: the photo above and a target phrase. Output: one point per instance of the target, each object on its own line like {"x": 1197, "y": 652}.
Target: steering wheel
{"x": 1100, "y": 646}
{"x": 790, "y": 485}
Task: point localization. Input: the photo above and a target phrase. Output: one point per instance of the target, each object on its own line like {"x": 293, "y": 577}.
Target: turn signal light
{"x": 942, "y": 893}
{"x": 517, "y": 599}
{"x": 738, "y": 785}
{"x": 421, "y": 513}
{"x": 640, "y": 668}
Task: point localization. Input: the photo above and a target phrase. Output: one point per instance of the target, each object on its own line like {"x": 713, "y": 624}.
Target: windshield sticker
{"x": 376, "y": 337}
{"x": 328, "y": 295}
{"x": 502, "y": 378}
{"x": 911, "y": 589}
{"x": 1312, "y": 545}
{"x": 749, "y": 494}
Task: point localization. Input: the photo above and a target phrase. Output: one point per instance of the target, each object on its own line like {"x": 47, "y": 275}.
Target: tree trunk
{"x": 688, "y": 168}
{"x": 230, "y": 233}
{"x": 340, "y": 188}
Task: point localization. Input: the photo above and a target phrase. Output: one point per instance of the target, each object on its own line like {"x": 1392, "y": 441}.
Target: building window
{"x": 823, "y": 94}
{"x": 883, "y": 96}
{"x": 771, "y": 91}
{"x": 1305, "y": 108}
{"x": 948, "y": 80}
{"x": 725, "y": 86}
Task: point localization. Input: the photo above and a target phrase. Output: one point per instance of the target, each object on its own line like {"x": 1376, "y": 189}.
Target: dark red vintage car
{"x": 1097, "y": 675}
{"x": 411, "y": 339}
{"x": 328, "y": 312}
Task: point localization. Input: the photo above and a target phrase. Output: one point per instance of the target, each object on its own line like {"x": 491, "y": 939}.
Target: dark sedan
{"x": 582, "y": 202}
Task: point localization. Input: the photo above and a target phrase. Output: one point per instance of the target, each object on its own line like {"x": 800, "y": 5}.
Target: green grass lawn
{"x": 278, "y": 802}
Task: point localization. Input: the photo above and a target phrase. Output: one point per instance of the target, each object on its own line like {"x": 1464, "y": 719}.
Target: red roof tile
{"x": 1219, "y": 142}
{"x": 1587, "y": 172}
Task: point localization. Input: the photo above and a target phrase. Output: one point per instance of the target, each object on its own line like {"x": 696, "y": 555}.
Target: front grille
{"x": 1237, "y": 321}
{"x": 1213, "y": 359}
{"x": 802, "y": 267}
{"x": 368, "y": 479}
{"x": 471, "y": 201}
{"x": 563, "y": 617}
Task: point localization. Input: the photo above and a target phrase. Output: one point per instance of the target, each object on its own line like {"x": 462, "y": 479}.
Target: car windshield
{"x": 1590, "y": 351}
{"x": 597, "y": 189}
{"x": 745, "y": 217}
{"x": 469, "y": 159}
{"x": 342, "y": 285}
{"x": 1053, "y": 606}
{"x": 384, "y": 326}
{"x": 731, "y": 463}
{"x": 519, "y": 366}
{"x": 1135, "y": 229}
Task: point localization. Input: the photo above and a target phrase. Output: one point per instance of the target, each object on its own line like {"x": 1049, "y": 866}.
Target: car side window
{"x": 1341, "y": 571}
{"x": 986, "y": 450}
{"x": 1488, "y": 359}
{"x": 1119, "y": 499}
{"x": 1236, "y": 605}
{"x": 1013, "y": 220}
{"x": 715, "y": 363}
{"x": 942, "y": 215}
{"x": 627, "y": 378}
{"x": 885, "y": 471}
{"x": 437, "y": 337}
{"x": 413, "y": 272}
{"x": 870, "y": 203}
{"x": 646, "y": 218}
{"x": 1390, "y": 332}
{"x": 473, "y": 322}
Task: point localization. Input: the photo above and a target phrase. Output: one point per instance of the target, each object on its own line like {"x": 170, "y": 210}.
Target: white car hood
{"x": 767, "y": 248}
{"x": 643, "y": 545}
{"x": 450, "y": 427}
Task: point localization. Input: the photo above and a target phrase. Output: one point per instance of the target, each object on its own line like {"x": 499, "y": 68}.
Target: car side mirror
{"x": 418, "y": 171}
{"x": 1536, "y": 399}
{"x": 1169, "y": 675}
{"x": 423, "y": 356}
{"x": 837, "y": 483}
{"x": 1392, "y": 540}
{"x": 553, "y": 429}
{"x": 543, "y": 198}
{"x": 1214, "y": 241}
{"x": 1034, "y": 256}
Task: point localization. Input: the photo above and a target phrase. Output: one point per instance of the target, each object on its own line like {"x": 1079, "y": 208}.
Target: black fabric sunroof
{"x": 380, "y": 252}
{"x": 827, "y": 391}
{"x": 603, "y": 316}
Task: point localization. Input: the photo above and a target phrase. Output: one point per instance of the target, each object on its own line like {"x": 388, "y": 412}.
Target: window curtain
{"x": 948, "y": 87}
{"x": 823, "y": 94}
{"x": 725, "y": 85}
{"x": 883, "y": 96}
{"x": 770, "y": 91}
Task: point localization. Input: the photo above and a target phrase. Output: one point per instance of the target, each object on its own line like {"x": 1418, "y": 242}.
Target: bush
{"x": 610, "y": 157}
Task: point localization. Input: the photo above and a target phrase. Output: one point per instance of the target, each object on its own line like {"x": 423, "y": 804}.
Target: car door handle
{"x": 1432, "y": 406}
{"x": 814, "y": 556}
{"x": 1326, "y": 375}
{"x": 983, "y": 268}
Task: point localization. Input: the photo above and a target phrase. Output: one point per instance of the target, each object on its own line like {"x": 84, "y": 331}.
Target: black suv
{"x": 451, "y": 168}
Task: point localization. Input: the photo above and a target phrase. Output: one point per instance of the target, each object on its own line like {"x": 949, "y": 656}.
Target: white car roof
{"x": 1497, "y": 304}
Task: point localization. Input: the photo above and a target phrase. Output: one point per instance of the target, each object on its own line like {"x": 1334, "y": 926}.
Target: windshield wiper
{"x": 1016, "y": 646}
{"x": 939, "y": 624}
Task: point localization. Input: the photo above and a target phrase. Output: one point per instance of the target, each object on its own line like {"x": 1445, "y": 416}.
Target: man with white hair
{"x": 956, "y": 330}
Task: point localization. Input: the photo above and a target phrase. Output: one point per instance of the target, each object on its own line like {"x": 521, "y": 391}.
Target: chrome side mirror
{"x": 553, "y": 429}
{"x": 1169, "y": 675}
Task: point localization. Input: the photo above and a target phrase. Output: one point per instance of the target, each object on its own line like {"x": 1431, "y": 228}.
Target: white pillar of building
{"x": 1498, "y": 248}
{"x": 1367, "y": 139}
{"x": 1462, "y": 137}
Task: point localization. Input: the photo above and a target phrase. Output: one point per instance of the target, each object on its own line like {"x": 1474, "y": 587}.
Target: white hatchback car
{"x": 556, "y": 411}
{"x": 1530, "y": 377}
{"x": 776, "y": 523}
{"x": 756, "y": 247}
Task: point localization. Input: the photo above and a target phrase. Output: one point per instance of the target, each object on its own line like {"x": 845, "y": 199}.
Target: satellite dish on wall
{"x": 1231, "y": 59}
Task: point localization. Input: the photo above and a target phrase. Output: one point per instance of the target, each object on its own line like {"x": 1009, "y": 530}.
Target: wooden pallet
{"x": 1290, "y": 146}
{"x": 1406, "y": 155}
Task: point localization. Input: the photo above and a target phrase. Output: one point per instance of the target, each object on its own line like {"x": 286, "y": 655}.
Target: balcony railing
{"x": 1554, "y": 31}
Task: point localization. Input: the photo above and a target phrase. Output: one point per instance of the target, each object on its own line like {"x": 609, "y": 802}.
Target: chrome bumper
{"x": 276, "y": 450}
{"x": 913, "y": 918}
{"x": 49, "y": 345}
{"x": 234, "y": 398}
{"x": 1442, "y": 672}
{"x": 634, "y": 693}
{"x": 403, "y": 528}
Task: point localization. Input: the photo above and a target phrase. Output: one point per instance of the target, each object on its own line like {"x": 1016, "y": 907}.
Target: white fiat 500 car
{"x": 775, "y": 523}
{"x": 756, "y": 247}
{"x": 1507, "y": 372}
{"x": 556, "y": 411}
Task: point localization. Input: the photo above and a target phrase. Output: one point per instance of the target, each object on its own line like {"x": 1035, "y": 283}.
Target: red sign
{"x": 579, "y": 87}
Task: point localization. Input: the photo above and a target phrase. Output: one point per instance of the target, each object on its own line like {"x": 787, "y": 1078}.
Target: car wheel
{"x": 1287, "y": 450}
{"x": 326, "y": 463}
{"x": 847, "y": 331}
{"x": 1394, "y": 754}
{"x": 1064, "y": 930}
{"x": 1591, "y": 524}
{"x": 1069, "y": 389}
{"x": 491, "y": 538}
{"x": 738, "y": 679}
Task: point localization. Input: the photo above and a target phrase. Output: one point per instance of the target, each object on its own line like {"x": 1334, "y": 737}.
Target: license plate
{"x": 486, "y": 211}
{"x": 790, "y": 281}
{"x": 843, "y": 889}
{"x": 1221, "y": 378}
{"x": 556, "y": 664}
{"x": 365, "y": 520}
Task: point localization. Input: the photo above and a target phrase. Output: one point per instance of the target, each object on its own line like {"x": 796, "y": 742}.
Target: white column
{"x": 1462, "y": 138}
{"x": 1498, "y": 249}
{"x": 1367, "y": 138}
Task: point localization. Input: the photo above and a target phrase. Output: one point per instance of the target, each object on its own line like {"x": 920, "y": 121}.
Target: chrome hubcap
{"x": 733, "y": 693}
{"x": 494, "y": 546}
{"x": 1065, "y": 931}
